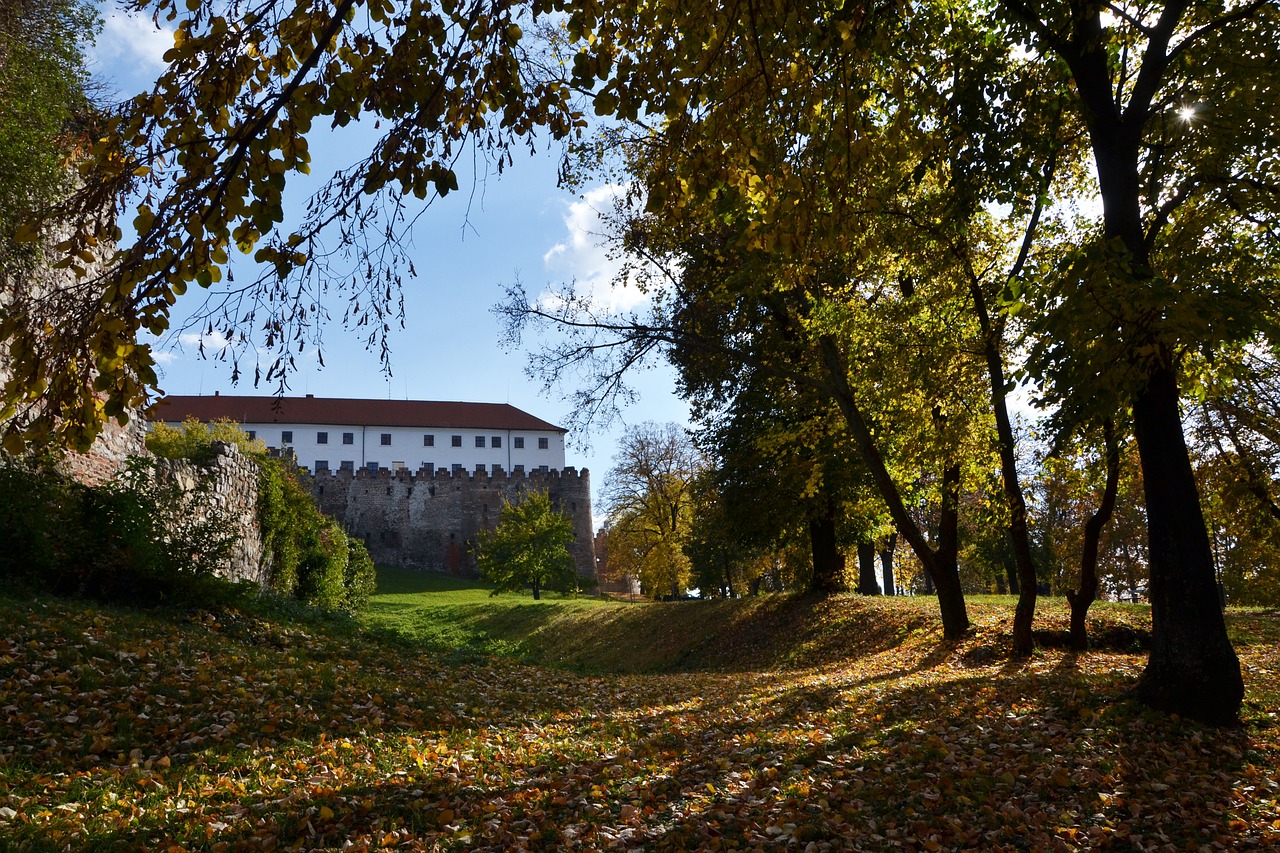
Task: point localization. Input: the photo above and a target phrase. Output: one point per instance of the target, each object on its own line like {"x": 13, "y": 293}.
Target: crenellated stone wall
{"x": 429, "y": 519}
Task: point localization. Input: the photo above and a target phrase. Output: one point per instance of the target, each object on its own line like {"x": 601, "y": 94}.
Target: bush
{"x": 312, "y": 558}
{"x": 194, "y": 440}
{"x": 361, "y": 580}
{"x": 134, "y": 542}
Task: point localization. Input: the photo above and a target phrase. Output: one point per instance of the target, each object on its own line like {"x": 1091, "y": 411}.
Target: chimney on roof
{"x": 217, "y": 393}
{"x": 311, "y": 396}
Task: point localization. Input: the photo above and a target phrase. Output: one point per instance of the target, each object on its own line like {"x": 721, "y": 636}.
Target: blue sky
{"x": 465, "y": 249}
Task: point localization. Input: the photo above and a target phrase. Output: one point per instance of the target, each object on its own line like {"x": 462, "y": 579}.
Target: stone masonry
{"x": 429, "y": 520}
{"x": 104, "y": 461}
{"x": 229, "y": 483}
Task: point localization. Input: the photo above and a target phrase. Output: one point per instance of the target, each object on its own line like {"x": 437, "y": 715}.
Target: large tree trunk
{"x": 828, "y": 562}
{"x": 1082, "y": 599}
{"x": 886, "y": 564}
{"x": 1193, "y": 670}
{"x": 867, "y": 568}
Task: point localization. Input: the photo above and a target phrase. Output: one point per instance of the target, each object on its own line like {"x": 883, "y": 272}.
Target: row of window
{"x": 428, "y": 440}
{"x": 323, "y": 465}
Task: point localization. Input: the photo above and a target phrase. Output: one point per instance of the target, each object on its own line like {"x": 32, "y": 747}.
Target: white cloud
{"x": 584, "y": 256}
{"x": 213, "y": 343}
{"x": 164, "y": 356}
{"x": 131, "y": 46}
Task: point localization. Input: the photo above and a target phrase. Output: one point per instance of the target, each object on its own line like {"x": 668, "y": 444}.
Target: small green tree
{"x": 529, "y": 547}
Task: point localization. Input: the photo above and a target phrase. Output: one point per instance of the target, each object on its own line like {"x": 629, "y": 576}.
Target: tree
{"x": 528, "y": 548}
{"x": 1168, "y": 96}
{"x": 961, "y": 113}
{"x": 649, "y": 494}
{"x": 1077, "y": 499}
{"x": 749, "y": 119}
{"x": 781, "y": 467}
{"x": 45, "y": 108}
{"x": 47, "y": 117}
{"x": 1236, "y": 447}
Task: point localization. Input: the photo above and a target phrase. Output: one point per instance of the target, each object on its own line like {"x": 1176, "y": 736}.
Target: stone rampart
{"x": 429, "y": 519}
{"x": 228, "y": 484}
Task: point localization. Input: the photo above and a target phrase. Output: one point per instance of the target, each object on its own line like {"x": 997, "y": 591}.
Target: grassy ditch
{"x": 858, "y": 729}
{"x": 446, "y": 615}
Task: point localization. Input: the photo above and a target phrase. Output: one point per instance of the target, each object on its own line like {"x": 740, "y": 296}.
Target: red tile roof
{"x": 341, "y": 412}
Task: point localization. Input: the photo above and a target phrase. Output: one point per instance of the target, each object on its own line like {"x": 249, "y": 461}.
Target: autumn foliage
{"x": 236, "y": 731}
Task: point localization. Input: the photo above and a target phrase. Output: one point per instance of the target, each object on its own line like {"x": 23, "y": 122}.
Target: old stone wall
{"x": 429, "y": 519}
{"x": 103, "y": 461}
{"x": 228, "y": 484}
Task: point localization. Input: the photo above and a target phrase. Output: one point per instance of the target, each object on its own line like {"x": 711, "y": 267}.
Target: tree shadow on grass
{"x": 967, "y": 761}
{"x": 739, "y": 635}
{"x": 925, "y": 751}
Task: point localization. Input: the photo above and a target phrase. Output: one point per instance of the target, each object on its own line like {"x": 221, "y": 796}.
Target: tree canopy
{"x": 649, "y": 493}
{"x": 945, "y": 146}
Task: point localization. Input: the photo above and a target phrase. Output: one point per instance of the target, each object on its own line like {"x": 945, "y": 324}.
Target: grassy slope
{"x": 842, "y": 723}
{"x": 770, "y": 632}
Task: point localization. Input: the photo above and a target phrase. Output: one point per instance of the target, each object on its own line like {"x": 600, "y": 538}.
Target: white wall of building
{"x": 406, "y": 447}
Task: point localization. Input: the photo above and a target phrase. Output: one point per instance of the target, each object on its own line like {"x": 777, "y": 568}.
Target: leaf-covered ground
{"x": 238, "y": 732}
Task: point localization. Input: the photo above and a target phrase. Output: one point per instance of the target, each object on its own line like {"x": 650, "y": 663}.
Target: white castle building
{"x": 335, "y": 434}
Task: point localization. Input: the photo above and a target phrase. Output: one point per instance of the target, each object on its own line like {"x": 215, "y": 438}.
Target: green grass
{"x": 462, "y": 617}
{"x": 459, "y": 617}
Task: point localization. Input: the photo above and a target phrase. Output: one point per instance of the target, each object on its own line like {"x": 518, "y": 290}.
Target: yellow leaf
{"x": 326, "y": 813}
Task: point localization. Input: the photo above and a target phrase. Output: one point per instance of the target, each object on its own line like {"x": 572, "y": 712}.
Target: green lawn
{"x": 461, "y": 617}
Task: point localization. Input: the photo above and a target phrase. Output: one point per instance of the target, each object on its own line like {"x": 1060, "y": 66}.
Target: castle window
{"x": 428, "y": 441}
{"x": 496, "y": 441}
{"x": 348, "y": 438}
{"x": 252, "y": 434}
{"x": 457, "y": 441}
{"x": 373, "y": 467}
{"x": 480, "y": 468}
{"x": 519, "y": 469}
{"x": 286, "y": 437}
{"x": 479, "y": 441}
{"x": 430, "y": 467}
{"x": 347, "y": 465}
{"x": 322, "y": 465}
{"x": 457, "y": 468}
{"x": 519, "y": 442}
{"x": 544, "y": 443}
{"x": 386, "y": 439}
{"x": 544, "y": 469}
{"x": 322, "y": 438}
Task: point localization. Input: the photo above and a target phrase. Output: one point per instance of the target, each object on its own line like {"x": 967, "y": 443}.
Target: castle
{"x": 469, "y": 459}
{"x": 429, "y": 519}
